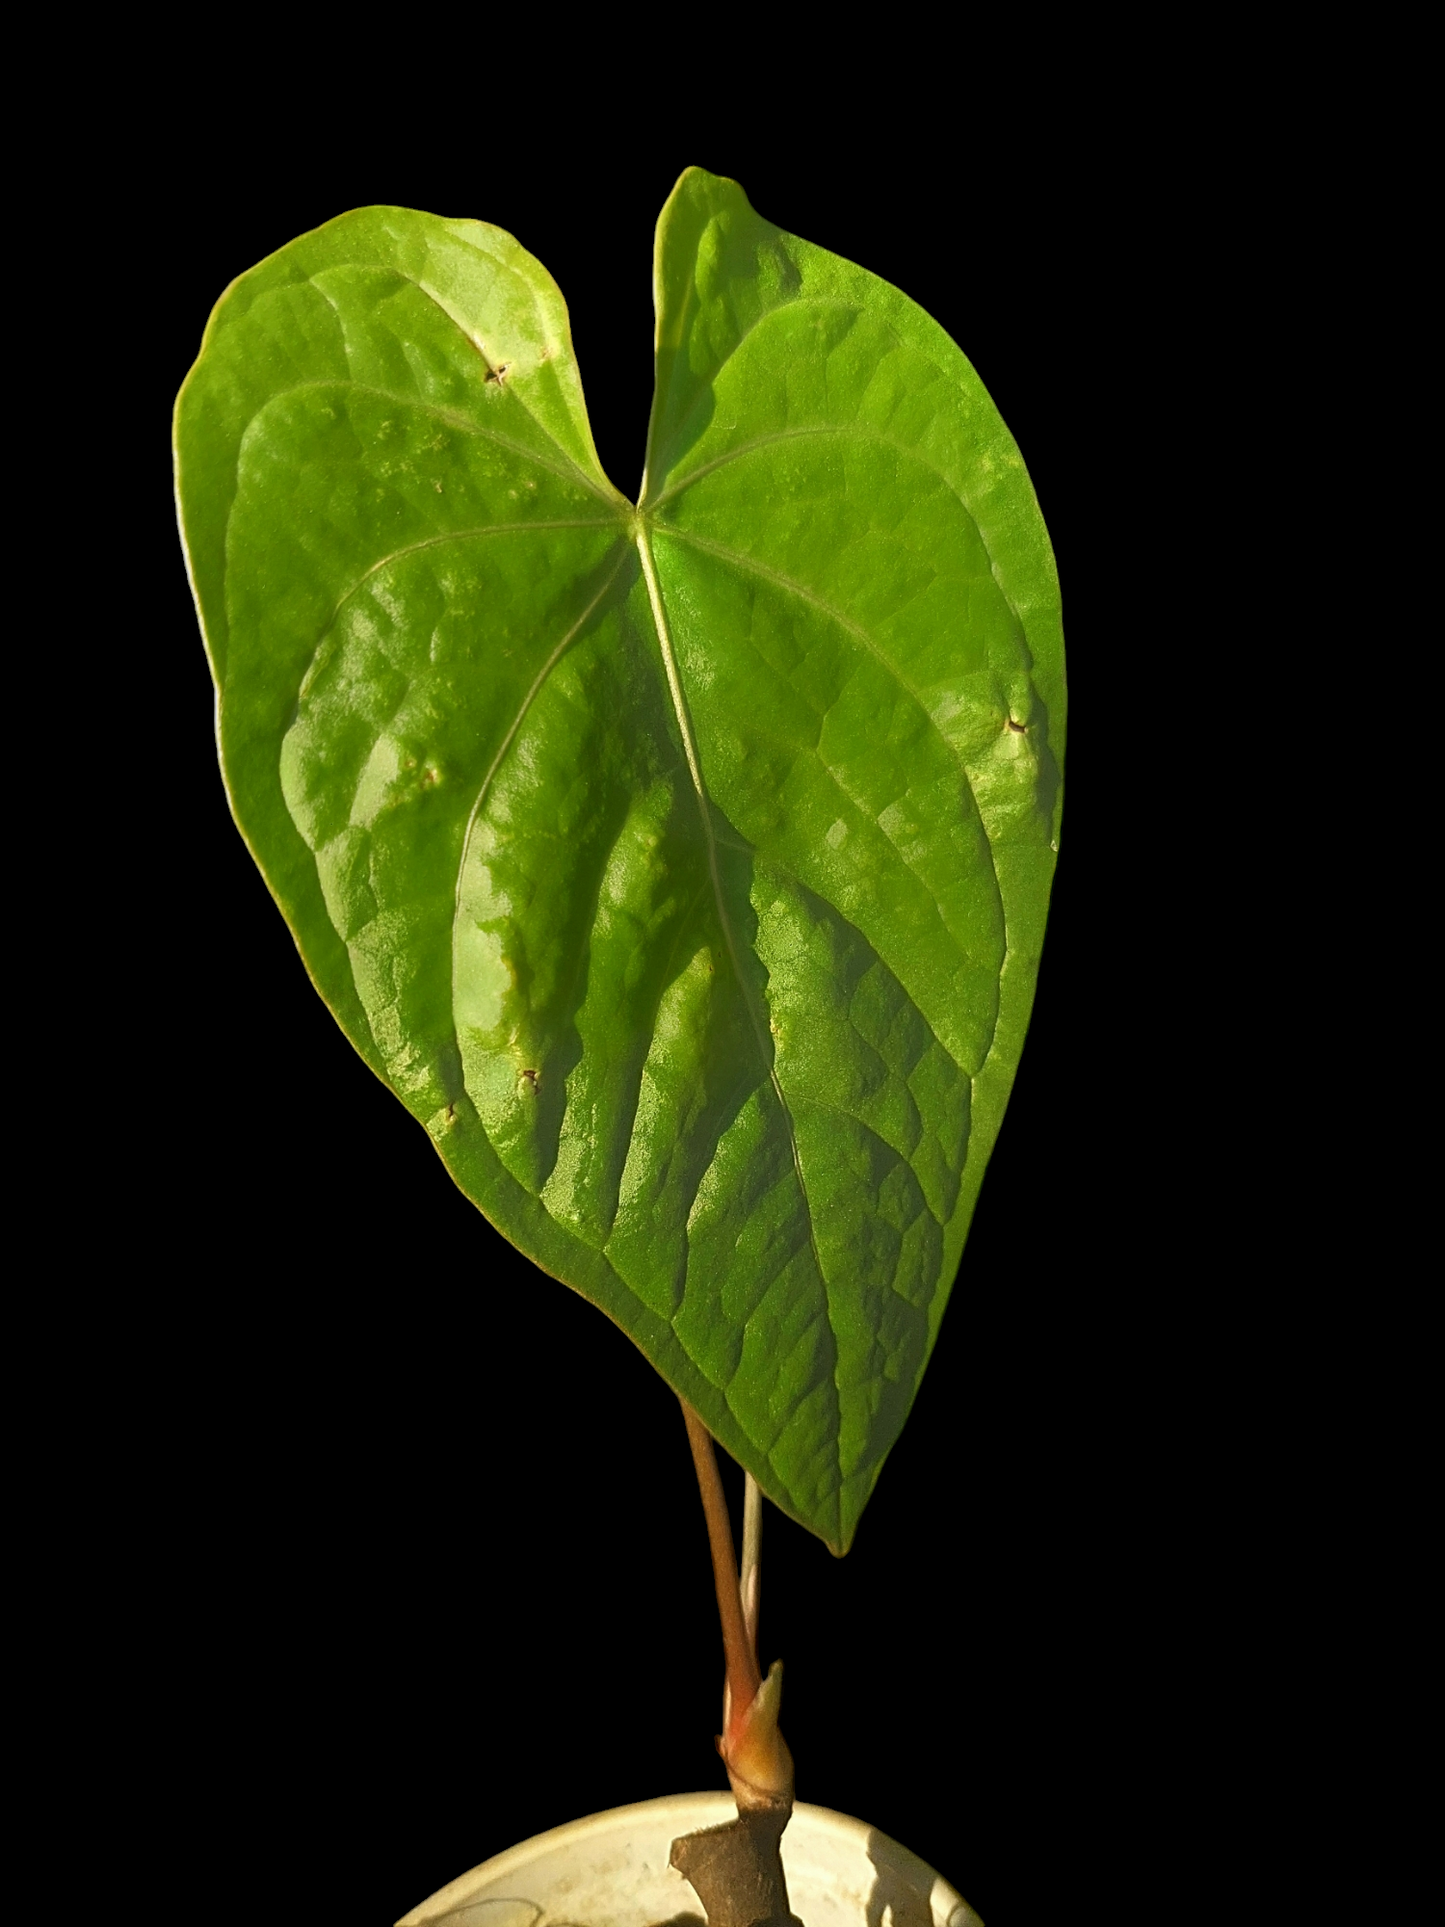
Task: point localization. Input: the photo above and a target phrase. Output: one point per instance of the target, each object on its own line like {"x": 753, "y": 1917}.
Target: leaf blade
{"x": 666, "y": 864}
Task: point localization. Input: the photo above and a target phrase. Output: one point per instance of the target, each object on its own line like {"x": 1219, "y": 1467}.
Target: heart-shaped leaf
{"x": 682, "y": 868}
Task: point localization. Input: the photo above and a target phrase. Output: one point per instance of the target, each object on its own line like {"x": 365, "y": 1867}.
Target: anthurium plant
{"x": 681, "y": 865}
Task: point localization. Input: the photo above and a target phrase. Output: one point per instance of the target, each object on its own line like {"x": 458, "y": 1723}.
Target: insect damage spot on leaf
{"x": 1017, "y": 728}
{"x": 531, "y": 1079}
{"x": 499, "y": 373}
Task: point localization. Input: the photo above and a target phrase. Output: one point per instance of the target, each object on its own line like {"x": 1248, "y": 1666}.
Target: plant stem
{"x": 752, "y": 1573}
{"x": 742, "y": 1662}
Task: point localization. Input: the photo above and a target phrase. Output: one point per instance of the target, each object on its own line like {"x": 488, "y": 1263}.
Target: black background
{"x": 401, "y": 1537}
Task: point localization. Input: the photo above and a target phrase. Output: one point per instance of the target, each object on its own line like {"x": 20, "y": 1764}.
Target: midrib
{"x": 689, "y": 745}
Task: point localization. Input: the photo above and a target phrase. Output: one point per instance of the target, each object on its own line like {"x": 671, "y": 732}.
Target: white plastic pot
{"x": 611, "y": 1870}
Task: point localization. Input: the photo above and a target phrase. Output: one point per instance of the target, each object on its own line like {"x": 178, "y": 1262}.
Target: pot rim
{"x": 947, "y": 1905}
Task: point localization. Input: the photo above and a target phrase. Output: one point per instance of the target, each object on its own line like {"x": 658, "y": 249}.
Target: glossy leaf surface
{"x": 684, "y": 868}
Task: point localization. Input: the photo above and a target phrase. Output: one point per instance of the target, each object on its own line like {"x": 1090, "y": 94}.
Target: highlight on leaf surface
{"x": 683, "y": 867}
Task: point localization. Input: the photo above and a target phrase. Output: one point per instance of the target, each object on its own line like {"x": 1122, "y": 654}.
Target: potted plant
{"x": 682, "y": 866}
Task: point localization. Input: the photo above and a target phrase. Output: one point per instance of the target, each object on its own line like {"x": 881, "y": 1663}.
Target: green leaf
{"x": 683, "y": 869}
